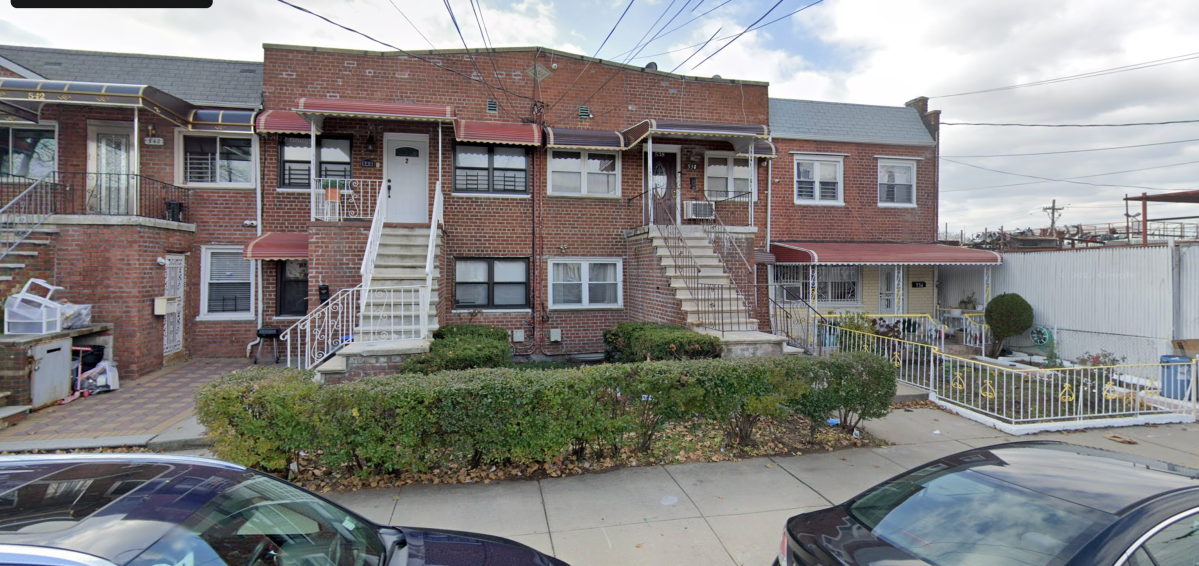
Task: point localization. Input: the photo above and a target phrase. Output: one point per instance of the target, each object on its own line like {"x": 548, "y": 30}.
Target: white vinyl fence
{"x": 1126, "y": 300}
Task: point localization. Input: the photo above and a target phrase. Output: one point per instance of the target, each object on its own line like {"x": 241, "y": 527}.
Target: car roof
{"x": 1100, "y": 479}
{"x": 112, "y": 506}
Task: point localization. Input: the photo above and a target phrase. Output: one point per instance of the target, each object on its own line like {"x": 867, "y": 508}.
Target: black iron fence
{"x": 122, "y": 194}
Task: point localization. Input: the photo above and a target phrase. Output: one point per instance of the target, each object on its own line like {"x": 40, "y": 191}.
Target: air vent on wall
{"x": 493, "y": 106}
{"x": 585, "y": 112}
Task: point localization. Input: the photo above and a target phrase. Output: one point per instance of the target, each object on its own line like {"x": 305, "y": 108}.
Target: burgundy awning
{"x": 278, "y": 246}
{"x": 374, "y": 109}
{"x": 862, "y": 253}
{"x": 282, "y": 122}
{"x": 497, "y": 132}
{"x": 583, "y": 139}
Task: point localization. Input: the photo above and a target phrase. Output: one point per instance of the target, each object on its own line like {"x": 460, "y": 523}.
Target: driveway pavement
{"x": 721, "y": 514}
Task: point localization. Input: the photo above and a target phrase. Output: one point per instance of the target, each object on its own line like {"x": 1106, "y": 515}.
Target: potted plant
{"x": 969, "y": 302}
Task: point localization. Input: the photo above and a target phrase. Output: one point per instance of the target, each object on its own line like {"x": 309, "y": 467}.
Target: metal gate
{"x": 172, "y": 325}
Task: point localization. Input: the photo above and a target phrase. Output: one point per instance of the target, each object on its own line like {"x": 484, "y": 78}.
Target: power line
{"x": 485, "y": 35}
{"x": 596, "y": 56}
{"x": 1070, "y": 125}
{"x": 1073, "y": 150}
{"x": 774, "y": 21}
{"x": 658, "y": 33}
{"x": 422, "y": 34}
{"x": 651, "y": 27}
{"x": 743, "y": 32}
{"x": 473, "y": 63}
{"x": 674, "y": 29}
{"x": 1087, "y": 75}
{"x": 390, "y": 46}
{"x": 1069, "y": 179}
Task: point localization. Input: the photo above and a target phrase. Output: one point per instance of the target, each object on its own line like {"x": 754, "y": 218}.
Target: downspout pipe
{"x": 257, "y": 232}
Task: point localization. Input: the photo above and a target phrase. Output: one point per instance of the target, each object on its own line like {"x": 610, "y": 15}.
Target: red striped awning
{"x": 282, "y": 122}
{"x": 497, "y": 132}
{"x": 870, "y": 253}
{"x": 374, "y": 109}
{"x": 278, "y": 246}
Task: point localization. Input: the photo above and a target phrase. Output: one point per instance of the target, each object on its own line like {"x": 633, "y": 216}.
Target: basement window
{"x": 585, "y": 283}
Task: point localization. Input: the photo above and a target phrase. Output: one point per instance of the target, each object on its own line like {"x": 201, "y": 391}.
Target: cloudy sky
{"x": 863, "y": 51}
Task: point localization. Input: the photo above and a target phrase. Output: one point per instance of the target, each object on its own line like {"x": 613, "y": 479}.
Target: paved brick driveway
{"x": 145, "y": 406}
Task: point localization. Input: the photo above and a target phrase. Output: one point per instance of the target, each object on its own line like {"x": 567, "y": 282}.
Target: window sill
{"x": 587, "y": 308}
{"x": 226, "y": 317}
{"x": 896, "y": 205}
{"x": 288, "y": 317}
{"x": 585, "y": 196}
{"x": 489, "y": 195}
{"x": 485, "y": 311}
{"x": 818, "y": 203}
{"x": 218, "y": 186}
{"x": 304, "y": 190}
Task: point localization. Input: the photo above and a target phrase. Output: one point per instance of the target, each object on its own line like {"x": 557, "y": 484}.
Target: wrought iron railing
{"x": 322, "y": 332}
{"x": 372, "y": 242}
{"x": 718, "y": 306}
{"x": 1022, "y": 395}
{"x": 920, "y": 328}
{"x": 26, "y": 211}
{"x": 976, "y": 333}
{"x": 792, "y": 317}
{"x": 394, "y": 313}
{"x": 336, "y": 199}
{"x": 122, "y": 194}
{"x": 732, "y": 247}
{"x": 435, "y": 222}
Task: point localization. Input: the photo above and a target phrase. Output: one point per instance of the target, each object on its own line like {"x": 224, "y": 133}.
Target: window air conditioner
{"x": 698, "y": 210}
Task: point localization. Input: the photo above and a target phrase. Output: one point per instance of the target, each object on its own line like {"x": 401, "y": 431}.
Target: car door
{"x": 1174, "y": 542}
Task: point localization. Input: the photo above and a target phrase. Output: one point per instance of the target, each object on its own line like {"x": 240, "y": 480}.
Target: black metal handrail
{"x": 122, "y": 194}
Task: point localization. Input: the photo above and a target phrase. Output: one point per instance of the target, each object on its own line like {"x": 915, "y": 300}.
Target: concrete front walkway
{"x": 728, "y": 513}
{"x": 141, "y": 410}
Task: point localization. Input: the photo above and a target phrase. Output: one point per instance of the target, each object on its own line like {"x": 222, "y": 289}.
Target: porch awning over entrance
{"x": 282, "y": 122}
{"x": 497, "y": 132}
{"x": 762, "y": 148}
{"x": 740, "y": 135}
{"x": 375, "y": 109}
{"x": 278, "y": 246}
{"x": 583, "y": 139}
{"x": 11, "y": 111}
{"x": 861, "y": 253}
{"x": 215, "y": 120}
{"x": 98, "y": 94}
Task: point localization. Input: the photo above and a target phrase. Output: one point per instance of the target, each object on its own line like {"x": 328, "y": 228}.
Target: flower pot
{"x": 955, "y": 312}
{"x": 332, "y": 194}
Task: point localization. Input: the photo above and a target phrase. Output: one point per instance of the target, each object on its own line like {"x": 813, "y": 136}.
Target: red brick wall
{"x": 334, "y": 257}
{"x": 7, "y": 74}
{"x": 649, "y": 296}
{"x": 40, "y": 266}
{"x": 861, "y": 219}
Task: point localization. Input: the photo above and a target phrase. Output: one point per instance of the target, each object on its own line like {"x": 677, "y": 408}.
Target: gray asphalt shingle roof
{"x": 838, "y": 121}
{"x": 199, "y": 81}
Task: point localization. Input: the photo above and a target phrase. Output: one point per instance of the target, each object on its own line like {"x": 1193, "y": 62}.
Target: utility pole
{"x": 1054, "y": 212}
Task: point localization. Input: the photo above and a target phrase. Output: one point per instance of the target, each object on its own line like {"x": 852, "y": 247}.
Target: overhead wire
{"x": 774, "y": 21}
{"x": 481, "y": 21}
{"x": 1073, "y": 150}
{"x": 390, "y": 46}
{"x": 473, "y": 62}
{"x": 1070, "y": 125}
{"x": 674, "y": 29}
{"x": 596, "y": 55}
{"x": 743, "y": 32}
{"x": 658, "y": 34}
{"x": 1087, "y": 75}
{"x": 422, "y": 34}
{"x": 1069, "y": 179}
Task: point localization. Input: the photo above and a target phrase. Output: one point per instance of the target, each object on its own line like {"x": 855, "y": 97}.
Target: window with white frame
{"x": 218, "y": 160}
{"x": 491, "y": 169}
{"x": 227, "y": 286}
{"x": 584, "y": 173}
{"x": 295, "y": 159}
{"x": 30, "y": 151}
{"x": 585, "y": 283}
{"x": 897, "y": 183}
{"x": 835, "y": 284}
{"x": 818, "y": 181}
{"x": 726, "y": 176}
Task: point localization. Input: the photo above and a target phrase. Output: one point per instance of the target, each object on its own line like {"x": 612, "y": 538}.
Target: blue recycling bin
{"x": 1176, "y": 380}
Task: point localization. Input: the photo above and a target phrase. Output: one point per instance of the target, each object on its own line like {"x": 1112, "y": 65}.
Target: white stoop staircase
{"x": 721, "y": 312}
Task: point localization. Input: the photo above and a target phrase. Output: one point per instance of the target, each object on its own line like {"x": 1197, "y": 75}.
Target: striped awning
{"x": 282, "y": 122}
{"x": 374, "y": 109}
{"x": 497, "y": 132}
{"x": 278, "y": 246}
{"x": 583, "y": 139}
{"x": 876, "y": 253}
{"x": 218, "y": 120}
{"x": 703, "y": 130}
{"x": 762, "y": 148}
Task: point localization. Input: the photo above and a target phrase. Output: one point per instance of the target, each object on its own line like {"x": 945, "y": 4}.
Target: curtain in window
{"x": 895, "y": 183}
{"x": 567, "y": 176}
{"x": 568, "y": 283}
{"x": 470, "y": 283}
{"x": 601, "y": 173}
{"x": 602, "y": 285}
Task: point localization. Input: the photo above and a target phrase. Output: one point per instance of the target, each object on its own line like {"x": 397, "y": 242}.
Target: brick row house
{"x": 355, "y": 201}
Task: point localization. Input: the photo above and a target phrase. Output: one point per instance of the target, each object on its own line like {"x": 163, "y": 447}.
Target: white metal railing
{"x": 1020, "y": 395}
{"x": 334, "y": 200}
{"x": 327, "y": 329}
{"x": 394, "y": 313}
{"x": 976, "y": 333}
{"x": 920, "y": 328}
{"x": 372, "y": 242}
{"x": 435, "y": 221}
{"x": 33, "y": 203}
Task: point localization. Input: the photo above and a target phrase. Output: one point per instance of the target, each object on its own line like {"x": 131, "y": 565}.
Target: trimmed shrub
{"x": 460, "y": 347}
{"x": 488, "y": 416}
{"x": 630, "y": 342}
{"x": 859, "y": 385}
{"x": 1008, "y": 315}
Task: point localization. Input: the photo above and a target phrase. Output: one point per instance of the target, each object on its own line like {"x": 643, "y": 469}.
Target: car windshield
{"x": 262, "y": 521}
{"x": 949, "y": 517}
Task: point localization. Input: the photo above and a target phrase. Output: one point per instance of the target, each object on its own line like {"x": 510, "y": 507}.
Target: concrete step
{"x": 12, "y": 266}
{"x": 745, "y": 344}
{"x": 678, "y": 282}
{"x": 701, "y": 261}
{"x": 5, "y": 278}
{"x": 697, "y": 254}
{"x": 43, "y": 229}
{"x": 31, "y": 241}
{"x": 405, "y": 240}
{"x": 332, "y": 366}
{"x": 406, "y": 230}
{"x": 13, "y": 414}
{"x": 402, "y": 273}
{"x": 22, "y": 253}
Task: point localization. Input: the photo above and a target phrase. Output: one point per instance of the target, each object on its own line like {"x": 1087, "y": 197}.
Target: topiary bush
{"x": 462, "y": 346}
{"x": 630, "y": 342}
{"x": 1008, "y": 315}
{"x": 415, "y": 422}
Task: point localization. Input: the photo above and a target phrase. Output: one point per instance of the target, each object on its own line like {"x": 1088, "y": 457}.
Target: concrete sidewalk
{"x": 728, "y": 513}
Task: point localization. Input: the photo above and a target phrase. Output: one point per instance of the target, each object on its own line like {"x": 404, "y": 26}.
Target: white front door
{"x": 110, "y": 187}
{"x": 172, "y": 324}
{"x": 406, "y": 180}
{"x": 886, "y": 290}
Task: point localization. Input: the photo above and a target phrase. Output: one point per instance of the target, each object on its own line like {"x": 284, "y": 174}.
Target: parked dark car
{"x": 155, "y": 510}
{"x": 1024, "y": 503}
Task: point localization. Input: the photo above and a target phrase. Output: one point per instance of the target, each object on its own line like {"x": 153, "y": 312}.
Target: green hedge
{"x": 463, "y": 346}
{"x": 264, "y": 417}
{"x": 630, "y": 342}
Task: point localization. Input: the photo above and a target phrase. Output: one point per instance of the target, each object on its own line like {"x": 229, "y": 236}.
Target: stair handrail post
{"x": 426, "y": 298}
{"x": 27, "y": 211}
